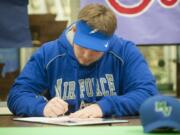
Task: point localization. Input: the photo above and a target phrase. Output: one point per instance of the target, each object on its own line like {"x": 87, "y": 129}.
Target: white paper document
{"x": 66, "y": 121}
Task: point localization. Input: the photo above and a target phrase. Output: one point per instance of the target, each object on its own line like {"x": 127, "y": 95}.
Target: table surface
{"x": 10, "y": 127}
{"x": 7, "y": 121}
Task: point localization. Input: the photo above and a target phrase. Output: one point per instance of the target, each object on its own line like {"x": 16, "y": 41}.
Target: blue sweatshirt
{"x": 119, "y": 82}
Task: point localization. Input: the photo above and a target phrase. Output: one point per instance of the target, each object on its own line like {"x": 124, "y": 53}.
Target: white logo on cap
{"x": 106, "y": 45}
{"x": 93, "y": 31}
{"x": 161, "y": 106}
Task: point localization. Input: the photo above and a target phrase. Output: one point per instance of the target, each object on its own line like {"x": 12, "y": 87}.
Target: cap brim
{"x": 95, "y": 41}
{"x": 161, "y": 124}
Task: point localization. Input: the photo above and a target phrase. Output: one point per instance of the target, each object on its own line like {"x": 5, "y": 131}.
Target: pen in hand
{"x": 56, "y": 107}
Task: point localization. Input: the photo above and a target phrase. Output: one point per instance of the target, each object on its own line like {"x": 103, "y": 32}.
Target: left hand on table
{"x": 92, "y": 111}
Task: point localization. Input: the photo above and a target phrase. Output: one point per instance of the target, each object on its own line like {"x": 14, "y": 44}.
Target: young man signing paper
{"x": 88, "y": 72}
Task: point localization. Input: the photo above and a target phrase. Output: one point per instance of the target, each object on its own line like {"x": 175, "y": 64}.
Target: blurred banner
{"x": 146, "y": 21}
{"x": 14, "y": 24}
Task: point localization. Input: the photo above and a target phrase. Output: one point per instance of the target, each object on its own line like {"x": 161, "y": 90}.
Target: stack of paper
{"x": 65, "y": 120}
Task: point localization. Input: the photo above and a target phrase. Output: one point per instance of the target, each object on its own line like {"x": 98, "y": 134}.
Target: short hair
{"x": 99, "y": 17}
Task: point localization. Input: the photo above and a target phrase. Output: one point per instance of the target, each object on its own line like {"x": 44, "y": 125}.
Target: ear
{"x": 74, "y": 29}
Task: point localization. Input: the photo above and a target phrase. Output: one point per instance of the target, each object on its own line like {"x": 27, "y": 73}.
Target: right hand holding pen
{"x": 55, "y": 107}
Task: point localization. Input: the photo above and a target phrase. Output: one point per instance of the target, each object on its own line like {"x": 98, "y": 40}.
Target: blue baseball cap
{"x": 160, "y": 112}
{"x": 90, "y": 38}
